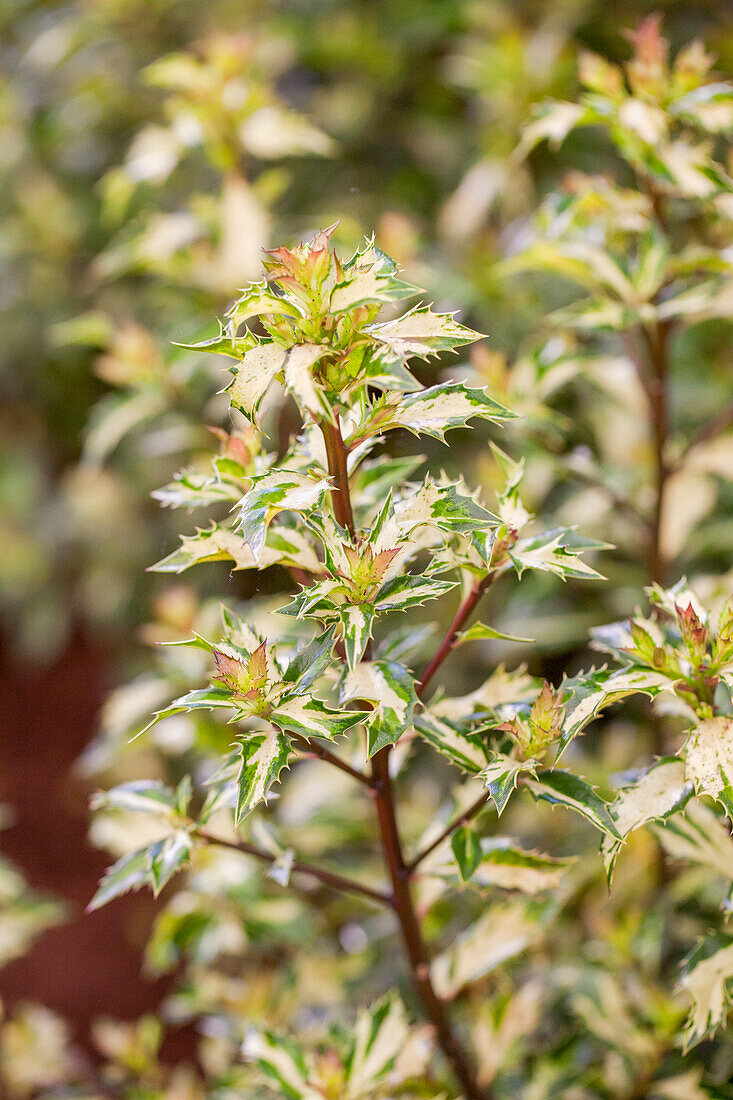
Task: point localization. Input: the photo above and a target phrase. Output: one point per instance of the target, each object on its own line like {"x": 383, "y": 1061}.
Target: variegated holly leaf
{"x": 210, "y": 698}
{"x": 259, "y": 299}
{"x": 309, "y": 664}
{"x": 558, "y": 552}
{"x": 390, "y": 687}
{"x": 706, "y": 977}
{"x": 588, "y": 693}
{"x": 500, "y": 862}
{"x": 259, "y": 367}
{"x": 312, "y": 718}
{"x": 262, "y": 758}
{"x": 654, "y": 795}
{"x": 500, "y": 775}
{"x": 153, "y": 865}
{"x": 224, "y": 343}
{"x": 410, "y": 590}
{"x": 148, "y": 796}
{"x": 283, "y": 1063}
{"x": 709, "y": 760}
{"x": 194, "y": 489}
{"x": 453, "y": 741}
{"x": 503, "y": 932}
{"x": 430, "y": 412}
{"x": 369, "y": 277}
{"x": 272, "y": 493}
{"x": 421, "y": 333}
{"x": 438, "y": 506}
{"x": 283, "y": 546}
{"x": 299, "y": 381}
{"x": 698, "y": 836}
{"x": 553, "y": 122}
{"x": 504, "y": 864}
{"x": 561, "y": 788}
{"x": 380, "y": 1035}
{"x": 356, "y": 621}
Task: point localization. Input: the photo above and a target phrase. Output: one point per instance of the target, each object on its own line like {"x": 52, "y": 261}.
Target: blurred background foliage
{"x": 149, "y": 150}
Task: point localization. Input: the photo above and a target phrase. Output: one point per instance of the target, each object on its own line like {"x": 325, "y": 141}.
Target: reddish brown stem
{"x": 411, "y": 933}
{"x": 656, "y": 387}
{"x": 461, "y": 617}
{"x": 401, "y": 898}
{"x": 329, "y": 878}
{"x": 341, "y": 495}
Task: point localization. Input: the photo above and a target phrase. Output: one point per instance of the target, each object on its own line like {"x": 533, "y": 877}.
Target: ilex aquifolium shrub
{"x": 375, "y": 550}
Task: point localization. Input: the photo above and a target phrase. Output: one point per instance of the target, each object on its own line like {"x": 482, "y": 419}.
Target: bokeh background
{"x": 136, "y": 195}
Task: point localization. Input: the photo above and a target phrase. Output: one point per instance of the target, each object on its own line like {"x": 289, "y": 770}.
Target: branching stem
{"x": 329, "y": 878}
{"x": 401, "y": 898}
{"x": 316, "y": 749}
{"x": 455, "y": 823}
{"x": 461, "y": 617}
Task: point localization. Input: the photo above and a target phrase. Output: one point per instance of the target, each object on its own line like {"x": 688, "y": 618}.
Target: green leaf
{"x": 500, "y": 862}
{"x": 565, "y": 789}
{"x": 466, "y": 846}
{"x": 455, "y": 743}
{"x": 279, "y": 491}
{"x": 391, "y": 688}
{"x": 510, "y": 867}
{"x": 309, "y": 664}
{"x": 709, "y": 760}
{"x": 480, "y": 631}
{"x": 431, "y": 505}
{"x": 654, "y": 795}
{"x": 312, "y": 718}
{"x": 128, "y": 873}
{"x": 193, "y": 489}
{"x": 263, "y": 757}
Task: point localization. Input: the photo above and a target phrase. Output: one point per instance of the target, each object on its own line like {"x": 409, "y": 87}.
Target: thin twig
{"x": 455, "y": 823}
{"x": 316, "y": 749}
{"x": 329, "y": 878}
{"x": 459, "y": 621}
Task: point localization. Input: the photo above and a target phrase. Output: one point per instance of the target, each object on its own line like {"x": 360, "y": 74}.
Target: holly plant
{"x": 318, "y": 711}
